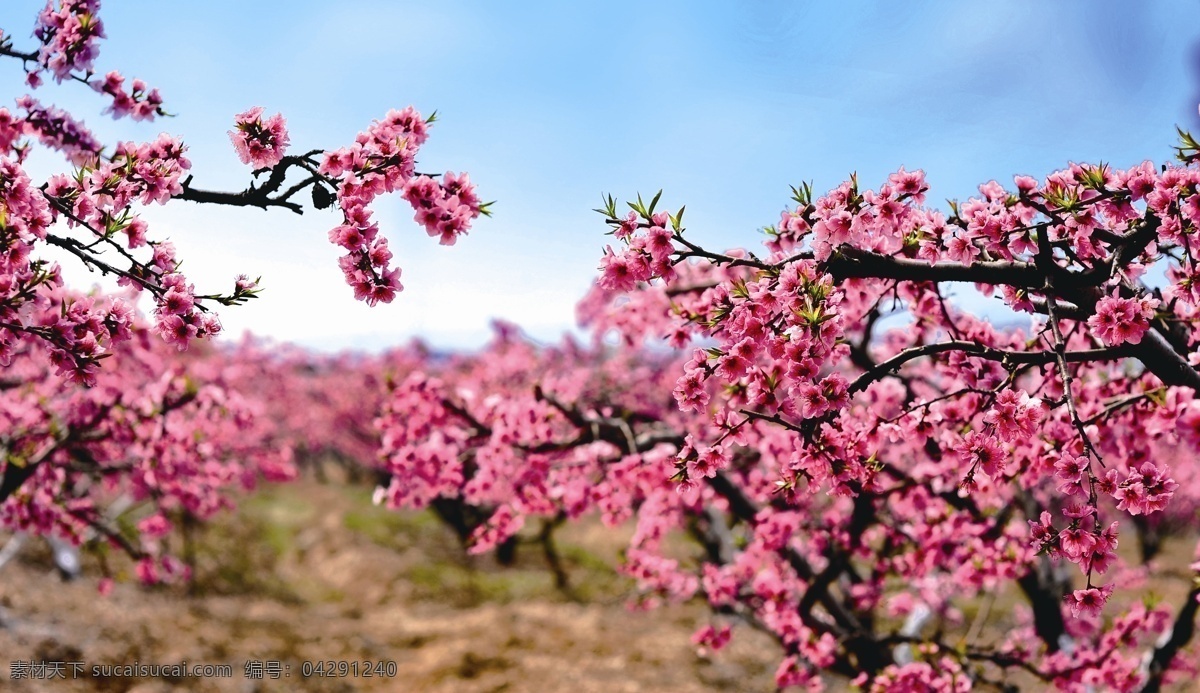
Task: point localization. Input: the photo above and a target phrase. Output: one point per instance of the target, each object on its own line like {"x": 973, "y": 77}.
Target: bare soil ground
{"x": 312, "y": 572}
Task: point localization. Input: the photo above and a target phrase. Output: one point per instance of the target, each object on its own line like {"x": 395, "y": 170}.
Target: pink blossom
{"x": 1089, "y": 601}
{"x": 259, "y": 142}
{"x": 983, "y": 451}
{"x": 1014, "y": 416}
{"x": 1120, "y": 320}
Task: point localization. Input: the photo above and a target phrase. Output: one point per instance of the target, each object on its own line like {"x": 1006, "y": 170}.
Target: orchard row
{"x": 852, "y": 489}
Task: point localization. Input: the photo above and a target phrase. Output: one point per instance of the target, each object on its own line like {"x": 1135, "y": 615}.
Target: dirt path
{"x": 308, "y": 573}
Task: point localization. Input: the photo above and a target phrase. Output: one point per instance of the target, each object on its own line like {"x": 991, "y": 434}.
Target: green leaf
{"x": 677, "y": 221}
{"x": 803, "y": 194}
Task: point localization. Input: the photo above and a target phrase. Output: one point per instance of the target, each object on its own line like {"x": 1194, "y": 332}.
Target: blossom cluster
{"x": 260, "y": 142}
{"x": 70, "y": 33}
{"x": 1121, "y": 320}
{"x": 382, "y": 160}
{"x": 141, "y": 102}
{"x": 523, "y": 432}
{"x": 99, "y": 199}
{"x": 54, "y": 128}
{"x": 1034, "y": 442}
{"x": 167, "y": 431}
{"x": 31, "y": 294}
{"x": 151, "y": 440}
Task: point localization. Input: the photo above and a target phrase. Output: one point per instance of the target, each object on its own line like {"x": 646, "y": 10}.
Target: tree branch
{"x": 978, "y": 350}
{"x": 1181, "y": 635}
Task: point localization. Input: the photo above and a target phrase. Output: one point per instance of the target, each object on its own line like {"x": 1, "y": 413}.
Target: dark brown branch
{"x": 978, "y": 350}
{"x": 263, "y": 196}
{"x": 870, "y": 654}
{"x": 689, "y": 288}
{"x": 1116, "y": 404}
{"x": 108, "y": 532}
{"x": 11, "y": 52}
{"x": 1156, "y": 352}
{"x": 16, "y": 475}
{"x": 1000, "y": 659}
{"x": 89, "y": 259}
{"x": 250, "y": 197}
{"x": 1181, "y": 635}
{"x": 1045, "y": 259}
{"x": 545, "y": 538}
{"x": 694, "y": 250}
{"x": 850, "y": 263}
{"x": 1037, "y": 584}
{"x": 1157, "y": 355}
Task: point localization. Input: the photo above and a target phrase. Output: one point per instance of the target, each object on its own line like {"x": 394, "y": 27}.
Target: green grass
{"x": 239, "y": 554}
{"x": 394, "y": 529}
{"x": 242, "y": 553}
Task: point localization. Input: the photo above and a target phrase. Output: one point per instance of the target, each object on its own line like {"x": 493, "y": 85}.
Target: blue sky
{"x": 549, "y": 105}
